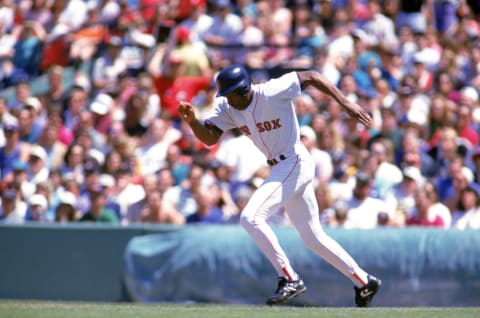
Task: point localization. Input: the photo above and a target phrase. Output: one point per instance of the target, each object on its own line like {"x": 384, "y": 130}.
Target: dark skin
{"x": 210, "y": 135}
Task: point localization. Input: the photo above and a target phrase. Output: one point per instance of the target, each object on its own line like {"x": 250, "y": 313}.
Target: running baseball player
{"x": 265, "y": 113}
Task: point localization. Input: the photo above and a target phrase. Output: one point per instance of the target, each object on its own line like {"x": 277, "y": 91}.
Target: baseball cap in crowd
{"x": 10, "y": 124}
{"x": 96, "y": 155}
{"x": 96, "y": 189}
{"x": 82, "y": 82}
{"x": 222, "y": 4}
{"x": 198, "y": 3}
{"x": 405, "y": 90}
{"x": 413, "y": 173}
{"x": 38, "y": 200}
{"x": 106, "y": 180}
{"x": 362, "y": 178}
{"x": 182, "y": 33}
{"x": 39, "y": 152}
{"x": 90, "y": 167}
{"x": 359, "y": 34}
{"x": 307, "y": 131}
{"x": 102, "y": 104}
{"x": 67, "y": 198}
{"x": 68, "y": 176}
{"x": 469, "y": 93}
{"x": 19, "y": 165}
{"x": 33, "y": 102}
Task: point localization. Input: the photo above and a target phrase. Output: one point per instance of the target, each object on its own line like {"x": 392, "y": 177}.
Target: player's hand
{"x": 186, "y": 111}
{"x": 358, "y": 113}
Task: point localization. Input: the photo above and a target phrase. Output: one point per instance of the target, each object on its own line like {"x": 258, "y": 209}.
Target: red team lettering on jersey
{"x": 263, "y": 126}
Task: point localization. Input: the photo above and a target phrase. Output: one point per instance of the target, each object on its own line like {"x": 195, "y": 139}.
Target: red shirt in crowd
{"x": 416, "y": 221}
{"x": 184, "y": 88}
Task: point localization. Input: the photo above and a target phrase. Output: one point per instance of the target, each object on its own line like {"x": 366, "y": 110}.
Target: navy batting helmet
{"x": 233, "y": 78}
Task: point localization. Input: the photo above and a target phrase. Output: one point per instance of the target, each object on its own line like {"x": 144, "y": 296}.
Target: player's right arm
{"x": 208, "y": 134}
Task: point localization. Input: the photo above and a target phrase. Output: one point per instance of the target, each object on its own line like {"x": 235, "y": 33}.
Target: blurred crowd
{"x": 109, "y": 147}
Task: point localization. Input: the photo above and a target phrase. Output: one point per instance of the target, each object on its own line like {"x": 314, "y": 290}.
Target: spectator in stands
{"x": 72, "y": 13}
{"x": 109, "y": 65}
{"x": 412, "y": 14}
{"x": 387, "y": 175}
{"x": 135, "y": 211}
{"x": 195, "y": 60}
{"x": 363, "y": 209}
{"x": 38, "y": 171}
{"x": 22, "y": 92}
{"x": 171, "y": 84}
{"x": 135, "y": 122}
{"x": 182, "y": 196}
{"x": 464, "y": 126}
{"x": 56, "y": 94}
{"x": 428, "y": 210}
{"x": 240, "y": 156}
{"x": 73, "y": 160}
{"x": 439, "y": 115}
{"x": 75, "y": 103}
{"x": 402, "y": 199}
{"x": 28, "y": 131}
{"x": 13, "y": 150}
{"x": 5, "y": 116}
{"x": 27, "y": 56}
{"x": 224, "y": 30}
{"x": 460, "y": 180}
{"x": 159, "y": 211}
{"x": 126, "y": 192}
{"x": 467, "y": 213}
{"x": 49, "y": 141}
{"x": 98, "y": 212}
{"x": 152, "y": 149}
{"x": 20, "y": 179}
{"x": 206, "y": 211}
{"x": 323, "y": 161}
{"x": 379, "y": 27}
{"x": 445, "y": 17}
{"x": 37, "y": 208}
{"x": 65, "y": 211}
{"x": 101, "y": 109}
{"x": 12, "y": 209}
{"x": 444, "y": 152}
{"x": 177, "y": 163}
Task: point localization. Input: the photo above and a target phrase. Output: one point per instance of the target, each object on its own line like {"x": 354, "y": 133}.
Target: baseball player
{"x": 265, "y": 113}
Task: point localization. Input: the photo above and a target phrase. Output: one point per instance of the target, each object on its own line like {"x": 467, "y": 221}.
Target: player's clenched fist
{"x": 186, "y": 111}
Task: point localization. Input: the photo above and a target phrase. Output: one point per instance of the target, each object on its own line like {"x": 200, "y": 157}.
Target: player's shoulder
{"x": 287, "y": 83}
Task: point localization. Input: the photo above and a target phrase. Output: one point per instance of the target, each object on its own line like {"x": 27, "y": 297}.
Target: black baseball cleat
{"x": 287, "y": 289}
{"x": 364, "y": 295}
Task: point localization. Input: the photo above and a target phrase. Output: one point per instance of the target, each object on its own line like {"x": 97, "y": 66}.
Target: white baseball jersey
{"x": 271, "y": 123}
{"x": 270, "y": 119}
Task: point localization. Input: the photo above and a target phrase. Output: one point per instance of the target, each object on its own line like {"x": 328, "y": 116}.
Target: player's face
{"x": 239, "y": 101}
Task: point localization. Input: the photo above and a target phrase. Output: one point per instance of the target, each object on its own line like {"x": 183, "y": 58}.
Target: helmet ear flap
{"x": 243, "y": 90}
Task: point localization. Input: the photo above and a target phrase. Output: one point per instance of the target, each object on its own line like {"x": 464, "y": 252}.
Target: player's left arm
{"x": 315, "y": 79}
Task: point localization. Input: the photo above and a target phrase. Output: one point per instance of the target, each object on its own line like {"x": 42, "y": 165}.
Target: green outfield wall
{"x": 419, "y": 267}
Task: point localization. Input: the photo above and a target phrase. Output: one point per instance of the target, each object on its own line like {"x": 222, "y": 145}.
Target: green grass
{"x": 33, "y": 309}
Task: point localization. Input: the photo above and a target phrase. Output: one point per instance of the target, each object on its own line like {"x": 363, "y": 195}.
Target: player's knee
{"x": 312, "y": 242}
{"x": 247, "y": 221}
